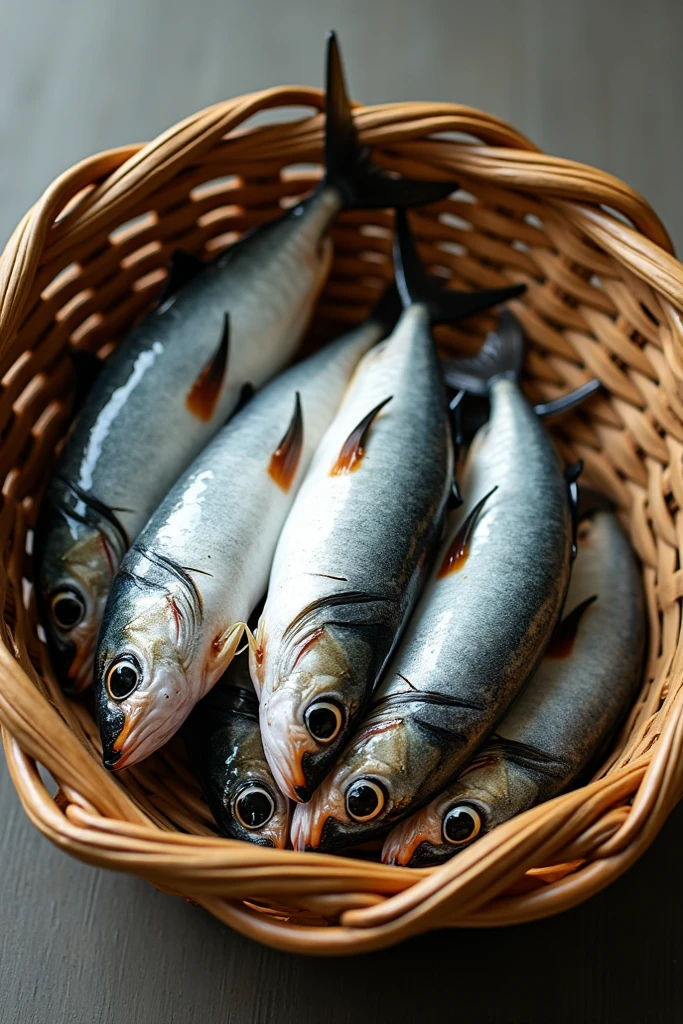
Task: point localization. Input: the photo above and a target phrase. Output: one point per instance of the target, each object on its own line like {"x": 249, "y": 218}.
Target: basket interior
{"x": 585, "y": 314}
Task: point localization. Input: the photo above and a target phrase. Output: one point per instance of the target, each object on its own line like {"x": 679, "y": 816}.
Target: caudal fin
{"x": 348, "y": 166}
{"x": 501, "y": 355}
{"x": 416, "y": 285}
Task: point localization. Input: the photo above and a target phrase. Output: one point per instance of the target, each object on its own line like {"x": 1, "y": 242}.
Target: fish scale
{"x": 555, "y": 727}
{"x": 477, "y": 633}
{"x": 178, "y": 376}
{"x": 201, "y": 564}
{"x": 365, "y": 533}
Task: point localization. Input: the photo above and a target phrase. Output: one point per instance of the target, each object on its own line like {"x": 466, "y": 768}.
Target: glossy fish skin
{"x": 198, "y": 568}
{"x": 554, "y": 729}
{"x": 174, "y": 381}
{"x": 136, "y": 434}
{"x": 353, "y": 553}
{"x": 224, "y": 743}
{"x": 475, "y": 637}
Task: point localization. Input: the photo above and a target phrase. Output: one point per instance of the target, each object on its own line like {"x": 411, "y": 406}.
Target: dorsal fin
{"x": 86, "y": 367}
{"x": 457, "y": 553}
{"x": 563, "y": 637}
{"x": 202, "y": 398}
{"x": 182, "y": 268}
{"x": 353, "y": 450}
{"x": 284, "y": 461}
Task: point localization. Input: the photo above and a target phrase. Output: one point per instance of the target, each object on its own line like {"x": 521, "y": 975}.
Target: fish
{"x": 223, "y": 741}
{"x": 356, "y": 546}
{"x": 178, "y": 603}
{"x": 587, "y": 679}
{"x": 480, "y": 628}
{"x": 178, "y": 376}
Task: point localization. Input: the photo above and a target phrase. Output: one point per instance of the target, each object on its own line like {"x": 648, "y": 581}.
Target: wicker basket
{"x": 604, "y": 298}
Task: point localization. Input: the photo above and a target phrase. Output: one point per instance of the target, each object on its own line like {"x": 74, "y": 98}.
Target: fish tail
{"x": 348, "y": 166}
{"x": 387, "y": 310}
{"x": 500, "y": 356}
{"x": 416, "y": 285}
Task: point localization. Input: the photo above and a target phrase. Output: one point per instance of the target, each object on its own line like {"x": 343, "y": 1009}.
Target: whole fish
{"x": 587, "y": 679}
{"x": 184, "y": 590}
{"x": 357, "y": 544}
{"x": 480, "y": 627}
{"x": 180, "y": 374}
{"x": 224, "y": 743}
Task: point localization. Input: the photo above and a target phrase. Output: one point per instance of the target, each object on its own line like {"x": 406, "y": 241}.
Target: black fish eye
{"x": 324, "y": 720}
{"x": 123, "y": 677}
{"x": 254, "y": 807}
{"x": 364, "y": 800}
{"x": 67, "y": 607}
{"x": 461, "y": 824}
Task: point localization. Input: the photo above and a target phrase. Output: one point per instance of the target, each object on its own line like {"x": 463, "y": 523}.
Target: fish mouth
{"x": 111, "y": 722}
{"x": 409, "y": 848}
{"x": 323, "y": 832}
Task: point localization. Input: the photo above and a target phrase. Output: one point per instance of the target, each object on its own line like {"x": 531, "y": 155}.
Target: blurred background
{"x": 600, "y": 81}
{"x": 596, "y": 80}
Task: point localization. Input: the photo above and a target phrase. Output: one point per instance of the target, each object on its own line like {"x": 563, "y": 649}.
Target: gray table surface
{"x": 597, "y": 80}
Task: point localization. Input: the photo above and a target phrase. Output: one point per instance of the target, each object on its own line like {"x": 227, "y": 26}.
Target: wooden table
{"x": 598, "y": 81}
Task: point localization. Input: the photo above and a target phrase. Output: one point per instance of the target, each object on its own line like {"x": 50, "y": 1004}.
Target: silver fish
{"x": 184, "y": 590}
{"x": 480, "y": 627}
{"x": 175, "y": 380}
{"x": 587, "y": 679}
{"x": 224, "y": 743}
{"x": 357, "y": 544}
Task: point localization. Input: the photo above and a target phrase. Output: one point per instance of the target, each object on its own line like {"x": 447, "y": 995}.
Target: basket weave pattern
{"x": 604, "y": 298}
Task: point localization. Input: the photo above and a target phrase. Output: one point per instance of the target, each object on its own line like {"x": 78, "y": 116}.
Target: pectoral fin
{"x": 225, "y": 647}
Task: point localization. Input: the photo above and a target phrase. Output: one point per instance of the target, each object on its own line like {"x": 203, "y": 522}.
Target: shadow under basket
{"x": 604, "y": 298}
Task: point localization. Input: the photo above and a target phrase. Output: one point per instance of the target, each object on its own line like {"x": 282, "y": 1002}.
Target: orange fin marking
{"x": 285, "y": 459}
{"x": 353, "y": 449}
{"x": 202, "y": 398}
{"x": 564, "y": 634}
{"x": 457, "y": 554}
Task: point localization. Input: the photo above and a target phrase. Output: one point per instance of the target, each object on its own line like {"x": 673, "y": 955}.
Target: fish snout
{"x": 298, "y": 739}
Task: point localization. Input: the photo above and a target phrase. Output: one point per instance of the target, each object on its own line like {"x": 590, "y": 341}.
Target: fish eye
{"x": 364, "y": 800}
{"x": 461, "y": 824}
{"x": 123, "y": 677}
{"x": 324, "y": 720}
{"x": 254, "y": 807}
{"x": 67, "y": 607}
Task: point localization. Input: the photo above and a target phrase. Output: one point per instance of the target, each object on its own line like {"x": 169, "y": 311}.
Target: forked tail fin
{"x": 501, "y": 355}
{"x": 348, "y": 166}
{"x": 416, "y": 285}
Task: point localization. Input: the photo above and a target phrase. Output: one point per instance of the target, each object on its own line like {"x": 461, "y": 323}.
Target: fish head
{"x": 491, "y": 790}
{"x": 368, "y": 789}
{"x": 241, "y": 792}
{"x": 437, "y": 832}
{"x": 75, "y": 565}
{"x": 148, "y": 673}
{"x": 311, "y": 703}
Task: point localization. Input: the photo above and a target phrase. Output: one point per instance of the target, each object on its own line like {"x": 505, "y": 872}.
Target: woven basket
{"x": 604, "y": 298}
